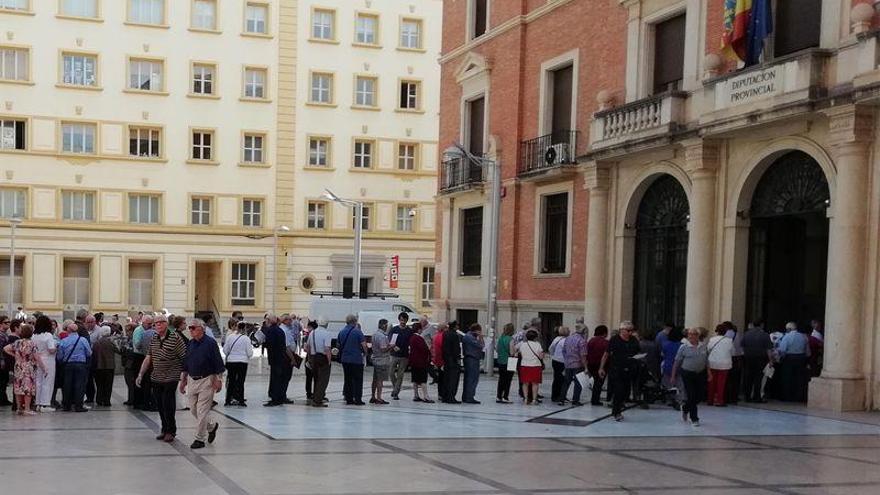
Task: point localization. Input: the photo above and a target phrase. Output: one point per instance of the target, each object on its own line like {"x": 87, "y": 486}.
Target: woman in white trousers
{"x": 44, "y": 339}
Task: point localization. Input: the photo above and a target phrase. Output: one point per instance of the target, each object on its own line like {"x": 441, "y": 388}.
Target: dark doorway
{"x": 661, "y": 255}
{"x": 788, "y": 243}
{"x": 348, "y": 288}
{"x": 549, "y": 323}
{"x": 466, "y": 318}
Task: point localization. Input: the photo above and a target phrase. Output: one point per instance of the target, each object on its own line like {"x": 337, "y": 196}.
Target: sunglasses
{"x": 192, "y": 327}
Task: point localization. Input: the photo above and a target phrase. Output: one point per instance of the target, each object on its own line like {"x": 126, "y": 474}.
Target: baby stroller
{"x": 649, "y": 388}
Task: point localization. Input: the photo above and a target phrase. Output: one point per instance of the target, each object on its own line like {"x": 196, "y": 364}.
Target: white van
{"x": 369, "y": 320}
{"x": 336, "y": 308}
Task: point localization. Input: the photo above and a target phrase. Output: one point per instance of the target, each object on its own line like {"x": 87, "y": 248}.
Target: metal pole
{"x": 358, "y": 231}
{"x": 492, "y": 303}
{"x": 11, "y": 267}
{"x": 274, "y": 266}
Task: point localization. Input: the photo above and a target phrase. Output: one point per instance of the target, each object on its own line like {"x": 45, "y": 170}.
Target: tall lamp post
{"x": 358, "y": 235}
{"x": 13, "y": 223}
{"x": 458, "y": 152}
{"x": 275, "y": 232}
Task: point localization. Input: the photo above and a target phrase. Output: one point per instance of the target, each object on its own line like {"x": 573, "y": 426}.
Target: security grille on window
{"x": 202, "y": 143}
{"x": 80, "y": 70}
{"x": 78, "y": 206}
{"x": 365, "y": 217}
{"x": 204, "y": 14}
{"x": 318, "y": 151}
{"x": 427, "y": 292}
{"x": 321, "y": 88}
{"x": 78, "y": 8}
{"x": 253, "y": 148}
{"x": 471, "y": 241}
{"x": 17, "y": 281}
{"x": 14, "y": 64}
{"x": 12, "y": 134}
{"x": 409, "y": 95}
{"x": 143, "y": 208}
{"x": 76, "y": 283}
{"x": 255, "y": 18}
{"x": 363, "y": 154}
{"x": 146, "y": 11}
{"x": 255, "y": 83}
{"x": 405, "y": 218}
{"x": 140, "y": 284}
{"x": 406, "y": 156}
{"x": 78, "y": 138}
{"x": 322, "y": 24}
{"x": 365, "y": 92}
{"x": 411, "y": 34}
{"x": 201, "y": 211}
{"x": 365, "y": 29}
{"x": 145, "y": 75}
{"x": 203, "y": 79}
{"x": 143, "y": 142}
{"x": 13, "y": 5}
{"x": 244, "y": 284}
{"x": 555, "y": 238}
{"x": 12, "y": 203}
{"x": 316, "y": 216}
{"x": 252, "y": 213}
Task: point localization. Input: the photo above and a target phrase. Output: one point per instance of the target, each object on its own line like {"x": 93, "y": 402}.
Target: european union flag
{"x": 760, "y": 26}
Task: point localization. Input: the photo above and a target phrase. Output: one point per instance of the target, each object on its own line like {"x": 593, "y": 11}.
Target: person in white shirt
{"x": 238, "y": 351}
{"x": 557, "y": 359}
{"x": 720, "y": 349}
{"x": 318, "y": 346}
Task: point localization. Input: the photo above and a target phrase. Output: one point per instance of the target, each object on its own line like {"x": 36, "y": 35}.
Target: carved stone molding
{"x": 701, "y": 156}
{"x": 849, "y": 124}
{"x": 597, "y": 176}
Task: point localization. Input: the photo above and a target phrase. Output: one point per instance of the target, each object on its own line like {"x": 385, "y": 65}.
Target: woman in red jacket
{"x": 419, "y": 360}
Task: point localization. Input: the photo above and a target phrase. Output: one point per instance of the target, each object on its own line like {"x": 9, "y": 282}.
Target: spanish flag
{"x": 746, "y": 24}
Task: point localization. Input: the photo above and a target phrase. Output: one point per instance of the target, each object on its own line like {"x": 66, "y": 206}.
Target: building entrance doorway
{"x": 788, "y": 243}
{"x": 207, "y": 289}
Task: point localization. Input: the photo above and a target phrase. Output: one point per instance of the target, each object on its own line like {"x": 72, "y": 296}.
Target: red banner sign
{"x": 395, "y": 272}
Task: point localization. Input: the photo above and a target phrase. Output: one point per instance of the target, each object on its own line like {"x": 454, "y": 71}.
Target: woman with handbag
{"x": 27, "y": 367}
{"x": 531, "y": 367}
{"x": 505, "y": 375}
{"x": 238, "y": 350}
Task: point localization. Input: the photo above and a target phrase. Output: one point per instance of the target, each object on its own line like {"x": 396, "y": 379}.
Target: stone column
{"x": 596, "y": 181}
{"x": 841, "y": 386}
{"x": 701, "y": 163}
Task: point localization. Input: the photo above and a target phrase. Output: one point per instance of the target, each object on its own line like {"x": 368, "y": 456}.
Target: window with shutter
{"x": 471, "y": 241}
{"x": 669, "y": 54}
{"x": 555, "y": 238}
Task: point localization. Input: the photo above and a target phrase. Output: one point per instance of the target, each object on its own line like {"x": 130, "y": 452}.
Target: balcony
{"x": 460, "y": 174}
{"x": 639, "y": 120}
{"x": 547, "y": 153}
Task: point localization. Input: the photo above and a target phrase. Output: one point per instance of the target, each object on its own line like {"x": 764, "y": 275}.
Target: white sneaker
{"x": 696, "y": 424}
{"x": 46, "y": 409}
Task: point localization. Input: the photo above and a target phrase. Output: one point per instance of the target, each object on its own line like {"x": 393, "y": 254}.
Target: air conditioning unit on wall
{"x": 557, "y": 154}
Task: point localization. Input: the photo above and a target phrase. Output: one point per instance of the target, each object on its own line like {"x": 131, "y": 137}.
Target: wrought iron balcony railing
{"x": 549, "y": 151}
{"x": 459, "y": 174}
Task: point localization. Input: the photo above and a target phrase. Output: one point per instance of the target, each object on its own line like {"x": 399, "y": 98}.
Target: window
{"x": 143, "y": 208}
{"x": 79, "y": 8}
{"x": 253, "y": 148}
{"x": 78, "y": 206}
{"x": 316, "y": 215}
{"x": 554, "y": 248}
{"x": 14, "y": 64}
{"x": 475, "y": 132}
{"x": 255, "y": 18}
{"x": 322, "y": 88}
{"x": 140, "y": 284}
{"x": 798, "y": 26}
{"x": 146, "y": 11}
{"x": 471, "y": 241}
{"x": 427, "y": 292}
{"x": 244, "y": 284}
{"x": 411, "y": 34}
{"x": 201, "y": 211}
{"x": 669, "y": 54}
{"x": 363, "y": 154}
{"x": 80, "y": 69}
{"x": 406, "y": 156}
{"x": 145, "y": 75}
{"x": 365, "y": 217}
{"x": 560, "y": 106}
{"x": 405, "y": 217}
{"x": 12, "y": 134}
{"x": 76, "y": 282}
{"x": 319, "y": 152}
{"x": 204, "y": 14}
{"x": 254, "y": 83}
{"x": 323, "y": 24}
{"x": 78, "y": 138}
{"x": 252, "y": 213}
{"x": 203, "y": 79}
{"x": 409, "y": 95}
{"x": 14, "y": 5}
{"x": 366, "y": 28}
{"x": 348, "y": 287}
{"x": 17, "y": 281}
{"x": 365, "y": 91}
{"x": 479, "y": 17}
{"x": 202, "y": 145}
{"x": 143, "y": 142}
{"x": 12, "y": 203}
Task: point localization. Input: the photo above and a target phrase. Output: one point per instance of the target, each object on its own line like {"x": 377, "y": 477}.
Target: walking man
{"x": 399, "y": 338}
{"x": 618, "y": 361}
{"x": 352, "y": 348}
{"x": 203, "y": 374}
{"x": 318, "y": 347}
{"x": 165, "y": 354}
{"x": 381, "y": 361}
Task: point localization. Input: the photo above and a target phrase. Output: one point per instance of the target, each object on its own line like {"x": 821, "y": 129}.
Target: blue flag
{"x": 760, "y": 26}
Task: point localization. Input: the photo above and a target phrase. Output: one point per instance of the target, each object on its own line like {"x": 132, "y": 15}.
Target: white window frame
{"x": 322, "y": 93}
{"x": 253, "y": 23}
{"x": 141, "y": 286}
{"x": 252, "y": 212}
{"x": 405, "y": 221}
{"x": 13, "y": 202}
{"x": 366, "y": 91}
{"x": 153, "y": 203}
{"x": 317, "y": 154}
{"x": 244, "y": 284}
{"x": 20, "y": 65}
{"x": 366, "y": 210}
{"x": 146, "y": 134}
{"x": 413, "y": 101}
{"x": 78, "y": 206}
{"x": 203, "y": 74}
{"x": 81, "y": 285}
{"x": 200, "y": 210}
{"x": 541, "y": 194}
{"x": 82, "y": 136}
{"x": 363, "y": 159}
{"x": 255, "y": 83}
{"x": 321, "y": 30}
{"x": 8, "y": 135}
{"x": 407, "y": 35}
{"x": 366, "y": 29}
{"x": 143, "y": 71}
{"x": 79, "y": 69}
{"x": 149, "y": 12}
{"x": 198, "y": 144}
{"x": 254, "y": 148}
{"x": 15, "y": 5}
{"x": 427, "y": 287}
{"x": 87, "y": 9}
{"x": 316, "y": 215}
{"x": 202, "y": 20}
{"x": 405, "y": 160}
{"x": 17, "y": 280}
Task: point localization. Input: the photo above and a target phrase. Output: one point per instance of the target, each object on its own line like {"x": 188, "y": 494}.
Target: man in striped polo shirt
{"x": 166, "y": 354}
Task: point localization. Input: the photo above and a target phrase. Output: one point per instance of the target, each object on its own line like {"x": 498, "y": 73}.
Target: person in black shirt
{"x": 399, "y": 339}
{"x": 451, "y": 363}
{"x": 279, "y": 362}
{"x": 618, "y": 361}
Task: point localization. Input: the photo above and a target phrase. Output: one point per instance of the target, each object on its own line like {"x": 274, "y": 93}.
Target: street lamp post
{"x": 457, "y": 151}
{"x": 280, "y": 228}
{"x": 358, "y": 236}
{"x": 13, "y": 223}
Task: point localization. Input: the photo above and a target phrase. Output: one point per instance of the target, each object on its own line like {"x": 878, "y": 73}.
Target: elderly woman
{"x": 531, "y": 366}
{"x": 419, "y": 360}
{"x": 104, "y": 357}
{"x": 557, "y": 359}
{"x": 44, "y": 339}
{"x": 692, "y": 362}
{"x": 238, "y": 350}
{"x": 720, "y": 349}
{"x": 27, "y": 363}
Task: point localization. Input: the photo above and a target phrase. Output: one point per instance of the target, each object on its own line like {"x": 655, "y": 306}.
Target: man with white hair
{"x": 280, "y": 362}
{"x": 318, "y": 348}
{"x": 794, "y": 352}
{"x": 352, "y": 349}
{"x": 201, "y": 378}
{"x": 140, "y": 344}
{"x": 619, "y": 365}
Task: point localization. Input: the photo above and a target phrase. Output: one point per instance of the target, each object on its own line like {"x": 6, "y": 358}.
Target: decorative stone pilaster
{"x": 701, "y": 163}
{"x": 841, "y": 386}
{"x": 597, "y": 182}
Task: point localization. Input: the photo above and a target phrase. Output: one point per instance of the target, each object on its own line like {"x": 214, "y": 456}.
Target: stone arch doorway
{"x": 661, "y": 255}
{"x": 788, "y": 243}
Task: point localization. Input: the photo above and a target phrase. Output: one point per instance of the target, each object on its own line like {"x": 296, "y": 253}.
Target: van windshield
{"x": 401, "y": 307}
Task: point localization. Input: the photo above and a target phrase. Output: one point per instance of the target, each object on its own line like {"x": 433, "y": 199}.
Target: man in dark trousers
{"x": 280, "y": 362}
{"x": 451, "y": 362}
{"x": 399, "y": 340}
{"x": 618, "y": 360}
{"x": 352, "y": 349}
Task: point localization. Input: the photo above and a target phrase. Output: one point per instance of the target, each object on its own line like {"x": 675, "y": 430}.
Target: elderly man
{"x": 165, "y": 354}
{"x": 399, "y": 339}
{"x": 201, "y": 378}
{"x": 73, "y": 355}
{"x": 352, "y": 349}
{"x": 280, "y": 362}
{"x": 90, "y": 322}
{"x": 292, "y": 332}
{"x": 794, "y": 351}
{"x": 618, "y": 362}
{"x": 140, "y": 344}
{"x": 574, "y": 352}
{"x": 318, "y": 348}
